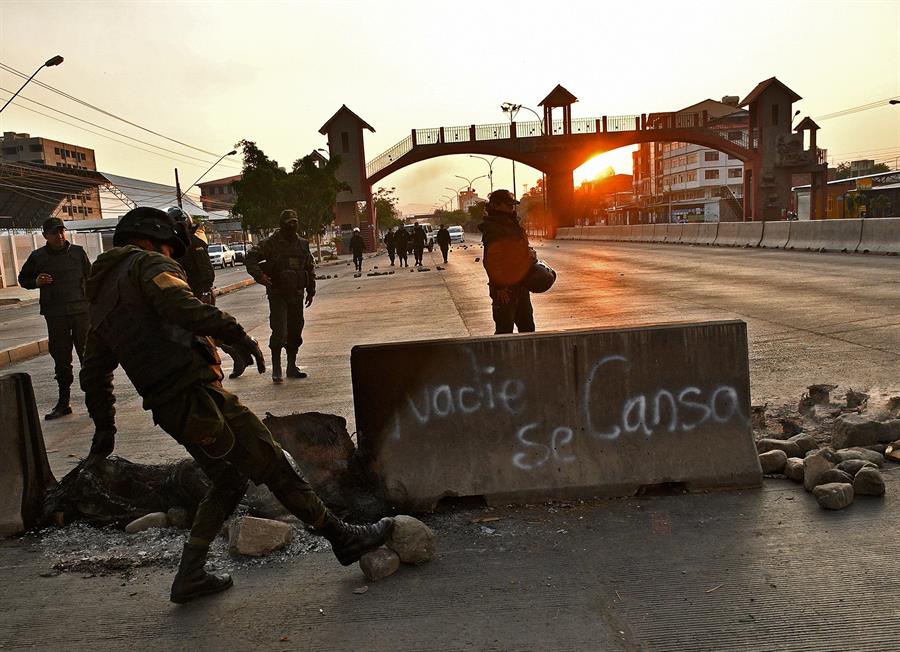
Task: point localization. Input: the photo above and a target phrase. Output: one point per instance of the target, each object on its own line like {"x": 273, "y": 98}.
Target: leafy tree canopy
{"x": 843, "y": 170}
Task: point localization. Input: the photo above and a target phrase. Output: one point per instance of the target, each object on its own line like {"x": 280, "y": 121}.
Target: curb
{"x": 17, "y": 354}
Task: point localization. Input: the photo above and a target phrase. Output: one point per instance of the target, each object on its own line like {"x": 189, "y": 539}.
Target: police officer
{"x": 59, "y": 269}
{"x": 443, "y": 240}
{"x": 402, "y": 242}
{"x": 284, "y": 264}
{"x": 419, "y": 238}
{"x": 507, "y": 260}
{"x": 145, "y": 318}
{"x": 357, "y": 245}
{"x": 201, "y": 276}
{"x": 390, "y": 243}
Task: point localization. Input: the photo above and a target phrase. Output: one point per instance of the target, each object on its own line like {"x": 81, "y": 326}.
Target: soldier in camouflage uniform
{"x": 145, "y": 318}
{"x": 201, "y": 276}
{"x": 284, "y": 264}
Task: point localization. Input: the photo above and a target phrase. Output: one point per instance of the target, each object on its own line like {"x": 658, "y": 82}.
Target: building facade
{"x": 34, "y": 150}
{"x": 676, "y": 182}
{"x": 219, "y": 194}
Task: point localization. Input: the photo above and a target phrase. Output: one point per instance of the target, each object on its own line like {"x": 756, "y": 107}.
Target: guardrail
{"x": 872, "y": 235}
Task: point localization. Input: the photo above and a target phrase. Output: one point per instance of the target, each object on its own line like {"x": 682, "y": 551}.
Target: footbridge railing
{"x": 605, "y": 124}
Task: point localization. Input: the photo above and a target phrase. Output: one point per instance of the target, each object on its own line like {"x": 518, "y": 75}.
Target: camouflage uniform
{"x": 145, "y": 317}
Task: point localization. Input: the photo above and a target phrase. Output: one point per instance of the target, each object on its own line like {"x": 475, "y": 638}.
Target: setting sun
{"x": 619, "y": 160}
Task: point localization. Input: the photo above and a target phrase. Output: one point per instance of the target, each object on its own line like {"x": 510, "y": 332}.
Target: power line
{"x": 855, "y": 109}
{"x": 182, "y": 160}
{"x": 103, "y": 111}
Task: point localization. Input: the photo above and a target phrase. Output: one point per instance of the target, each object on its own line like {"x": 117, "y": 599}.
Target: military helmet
{"x": 153, "y": 224}
{"x": 178, "y": 214}
{"x": 540, "y": 277}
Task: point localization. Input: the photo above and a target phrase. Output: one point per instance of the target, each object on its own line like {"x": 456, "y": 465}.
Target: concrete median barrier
{"x": 880, "y": 236}
{"x": 739, "y": 234}
{"x": 699, "y": 233}
{"x": 673, "y": 233}
{"x": 566, "y": 233}
{"x": 659, "y": 233}
{"x": 602, "y": 412}
{"x": 24, "y": 471}
{"x": 825, "y": 235}
{"x": 642, "y": 232}
{"x": 775, "y": 234}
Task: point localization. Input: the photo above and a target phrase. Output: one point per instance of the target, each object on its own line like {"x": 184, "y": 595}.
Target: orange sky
{"x": 211, "y": 73}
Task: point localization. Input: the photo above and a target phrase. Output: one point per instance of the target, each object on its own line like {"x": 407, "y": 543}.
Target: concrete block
{"x": 825, "y": 235}
{"x": 659, "y": 232}
{"x": 739, "y": 234}
{"x": 598, "y": 412}
{"x": 775, "y": 235}
{"x": 880, "y": 235}
{"x": 24, "y": 471}
{"x": 673, "y": 233}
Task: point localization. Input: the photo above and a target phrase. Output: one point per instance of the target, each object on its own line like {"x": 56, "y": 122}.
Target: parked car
{"x": 429, "y": 231}
{"x": 239, "y": 251}
{"x": 457, "y": 235}
{"x": 221, "y": 255}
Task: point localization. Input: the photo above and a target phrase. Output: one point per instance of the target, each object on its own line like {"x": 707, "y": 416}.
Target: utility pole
{"x": 178, "y": 188}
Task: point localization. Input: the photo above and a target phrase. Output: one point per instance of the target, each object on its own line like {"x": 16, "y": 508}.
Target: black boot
{"x": 350, "y": 542}
{"x": 292, "y": 370}
{"x": 194, "y": 582}
{"x": 277, "y": 378}
{"x": 239, "y": 362}
{"x": 62, "y": 407}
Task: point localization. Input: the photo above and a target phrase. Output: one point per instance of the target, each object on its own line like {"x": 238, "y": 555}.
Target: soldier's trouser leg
{"x": 444, "y": 252}
{"x": 524, "y": 314}
{"x": 277, "y": 321}
{"x": 59, "y": 345}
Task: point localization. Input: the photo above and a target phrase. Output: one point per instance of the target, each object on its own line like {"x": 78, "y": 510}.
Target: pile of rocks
{"x": 176, "y": 517}
{"x": 411, "y": 542}
{"x": 837, "y": 466}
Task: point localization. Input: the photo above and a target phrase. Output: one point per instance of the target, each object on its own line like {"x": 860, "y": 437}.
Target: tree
{"x": 259, "y": 191}
{"x": 386, "y": 214}
{"x": 311, "y": 190}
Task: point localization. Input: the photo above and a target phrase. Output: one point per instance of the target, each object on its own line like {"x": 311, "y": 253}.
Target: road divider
{"x": 880, "y": 236}
{"x": 825, "y": 235}
{"x": 602, "y": 412}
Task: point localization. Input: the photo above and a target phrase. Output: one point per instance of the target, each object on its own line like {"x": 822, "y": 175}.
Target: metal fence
{"x": 16, "y": 246}
{"x": 385, "y": 159}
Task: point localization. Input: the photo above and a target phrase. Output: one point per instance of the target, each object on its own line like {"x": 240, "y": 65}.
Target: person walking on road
{"x": 145, "y": 318}
{"x": 357, "y": 246}
{"x": 419, "y": 238}
{"x": 507, "y": 260}
{"x": 443, "y": 240}
{"x": 390, "y": 243}
{"x": 284, "y": 264}
{"x": 201, "y": 276}
{"x": 402, "y": 242}
{"x": 59, "y": 270}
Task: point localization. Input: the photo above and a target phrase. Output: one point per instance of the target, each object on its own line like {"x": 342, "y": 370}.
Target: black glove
{"x": 103, "y": 444}
{"x": 247, "y": 347}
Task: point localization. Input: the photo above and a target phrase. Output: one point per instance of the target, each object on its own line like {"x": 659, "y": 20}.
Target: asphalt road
{"x": 764, "y": 569}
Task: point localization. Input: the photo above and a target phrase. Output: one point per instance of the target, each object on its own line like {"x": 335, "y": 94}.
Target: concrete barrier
{"x": 659, "y": 233}
{"x": 880, "y": 235}
{"x": 673, "y": 233}
{"x": 517, "y": 418}
{"x": 739, "y": 234}
{"x": 566, "y": 233}
{"x": 825, "y": 235}
{"x": 24, "y": 471}
{"x": 642, "y": 232}
{"x": 708, "y": 233}
{"x": 775, "y": 235}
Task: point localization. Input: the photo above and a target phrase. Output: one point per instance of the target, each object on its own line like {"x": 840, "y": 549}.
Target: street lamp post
{"x": 490, "y": 167}
{"x": 182, "y": 194}
{"x": 456, "y": 192}
{"x": 55, "y": 61}
{"x": 513, "y": 110}
{"x": 468, "y": 180}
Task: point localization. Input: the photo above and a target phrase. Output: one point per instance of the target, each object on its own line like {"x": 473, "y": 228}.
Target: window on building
{"x": 692, "y": 158}
{"x": 82, "y": 155}
{"x": 90, "y": 210}
{"x": 345, "y": 142}
{"x": 9, "y": 150}
{"x": 774, "y": 114}
{"x": 710, "y": 156}
{"x": 56, "y": 150}
{"x": 735, "y": 173}
{"x": 710, "y": 174}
